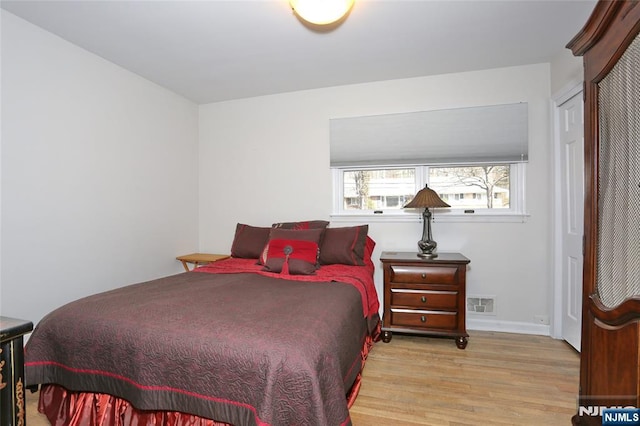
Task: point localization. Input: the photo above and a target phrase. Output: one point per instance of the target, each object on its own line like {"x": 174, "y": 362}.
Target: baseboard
{"x": 508, "y": 326}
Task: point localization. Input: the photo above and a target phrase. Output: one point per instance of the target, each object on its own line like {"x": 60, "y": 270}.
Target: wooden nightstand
{"x": 425, "y": 296}
{"x": 12, "y": 390}
{"x": 200, "y": 259}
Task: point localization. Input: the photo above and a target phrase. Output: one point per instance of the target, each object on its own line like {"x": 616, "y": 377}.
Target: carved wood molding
{"x": 601, "y": 17}
{"x": 626, "y": 312}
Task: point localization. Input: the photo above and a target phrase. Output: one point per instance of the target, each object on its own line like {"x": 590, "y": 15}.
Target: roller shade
{"x": 487, "y": 134}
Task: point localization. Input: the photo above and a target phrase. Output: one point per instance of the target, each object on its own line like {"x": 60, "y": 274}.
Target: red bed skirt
{"x": 67, "y": 408}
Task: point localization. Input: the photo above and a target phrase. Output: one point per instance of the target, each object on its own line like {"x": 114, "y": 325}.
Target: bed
{"x": 243, "y": 341}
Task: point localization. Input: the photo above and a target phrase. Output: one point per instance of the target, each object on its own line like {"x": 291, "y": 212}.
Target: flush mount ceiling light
{"x": 321, "y": 12}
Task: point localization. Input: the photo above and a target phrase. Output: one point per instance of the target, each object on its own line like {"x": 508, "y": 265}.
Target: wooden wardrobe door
{"x": 610, "y": 351}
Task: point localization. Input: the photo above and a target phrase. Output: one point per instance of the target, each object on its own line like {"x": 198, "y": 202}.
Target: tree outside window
{"x": 487, "y": 186}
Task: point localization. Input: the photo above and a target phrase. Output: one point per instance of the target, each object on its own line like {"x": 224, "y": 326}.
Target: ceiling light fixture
{"x": 321, "y": 12}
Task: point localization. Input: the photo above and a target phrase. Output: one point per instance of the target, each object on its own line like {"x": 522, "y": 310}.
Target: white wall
{"x": 104, "y": 181}
{"x": 99, "y": 174}
{"x": 566, "y": 71}
{"x": 266, "y": 159}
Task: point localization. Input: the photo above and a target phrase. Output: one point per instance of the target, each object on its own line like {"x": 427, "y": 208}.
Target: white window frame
{"x": 515, "y": 213}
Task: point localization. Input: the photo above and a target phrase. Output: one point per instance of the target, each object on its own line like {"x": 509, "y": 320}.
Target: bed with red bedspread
{"x": 228, "y": 343}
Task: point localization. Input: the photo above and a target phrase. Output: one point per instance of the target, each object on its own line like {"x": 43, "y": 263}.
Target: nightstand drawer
{"x": 419, "y": 318}
{"x": 424, "y": 298}
{"x": 424, "y": 274}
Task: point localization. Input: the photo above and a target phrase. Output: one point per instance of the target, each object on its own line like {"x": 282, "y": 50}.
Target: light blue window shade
{"x": 487, "y": 134}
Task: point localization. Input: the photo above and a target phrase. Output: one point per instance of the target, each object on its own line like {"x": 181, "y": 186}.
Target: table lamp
{"x": 426, "y": 198}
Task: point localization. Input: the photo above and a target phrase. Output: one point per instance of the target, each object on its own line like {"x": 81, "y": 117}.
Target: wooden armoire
{"x": 610, "y": 349}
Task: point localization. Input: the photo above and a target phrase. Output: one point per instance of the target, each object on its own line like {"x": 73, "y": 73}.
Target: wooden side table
{"x": 198, "y": 259}
{"x": 12, "y": 390}
{"x": 425, "y": 296}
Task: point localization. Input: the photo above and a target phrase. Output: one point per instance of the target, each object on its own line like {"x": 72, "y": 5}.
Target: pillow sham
{"x": 291, "y": 257}
{"x": 309, "y": 224}
{"x": 369, "y": 246}
{"x": 249, "y": 241}
{"x": 344, "y": 245}
{"x": 314, "y": 235}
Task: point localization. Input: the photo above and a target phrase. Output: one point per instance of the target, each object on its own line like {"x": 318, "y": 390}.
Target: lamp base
{"x": 427, "y": 255}
{"x": 426, "y": 245}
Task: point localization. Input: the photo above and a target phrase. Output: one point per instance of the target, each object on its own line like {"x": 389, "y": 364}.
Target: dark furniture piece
{"x": 610, "y": 348}
{"x": 425, "y": 296}
{"x": 12, "y": 387}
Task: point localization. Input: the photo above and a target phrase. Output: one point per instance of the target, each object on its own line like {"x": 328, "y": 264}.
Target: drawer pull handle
{"x": 423, "y": 299}
{"x": 423, "y": 318}
{"x": 424, "y": 275}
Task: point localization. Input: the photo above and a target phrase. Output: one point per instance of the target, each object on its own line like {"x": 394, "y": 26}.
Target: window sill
{"x": 442, "y": 217}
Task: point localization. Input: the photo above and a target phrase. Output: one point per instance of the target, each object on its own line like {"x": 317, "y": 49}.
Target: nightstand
{"x": 425, "y": 296}
{"x": 12, "y": 390}
{"x": 198, "y": 259}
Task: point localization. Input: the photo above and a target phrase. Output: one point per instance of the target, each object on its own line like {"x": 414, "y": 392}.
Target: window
{"x": 488, "y": 189}
{"x": 377, "y": 189}
{"x": 473, "y": 157}
{"x": 475, "y": 187}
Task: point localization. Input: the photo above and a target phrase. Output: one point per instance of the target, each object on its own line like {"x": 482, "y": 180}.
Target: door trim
{"x": 569, "y": 91}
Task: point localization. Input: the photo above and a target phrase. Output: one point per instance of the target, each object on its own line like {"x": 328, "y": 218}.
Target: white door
{"x": 572, "y": 194}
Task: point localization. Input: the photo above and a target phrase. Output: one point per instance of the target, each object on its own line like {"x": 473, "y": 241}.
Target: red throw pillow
{"x": 314, "y": 235}
{"x": 291, "y": 257}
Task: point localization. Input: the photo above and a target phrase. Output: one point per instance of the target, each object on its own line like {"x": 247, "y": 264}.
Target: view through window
{"x": 378, "y": 189}
{"x": 462, "y": 187}
{"x": 477, "y": 187}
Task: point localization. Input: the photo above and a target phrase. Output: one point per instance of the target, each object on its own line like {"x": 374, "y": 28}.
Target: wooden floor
{"x": 500, "y": 379}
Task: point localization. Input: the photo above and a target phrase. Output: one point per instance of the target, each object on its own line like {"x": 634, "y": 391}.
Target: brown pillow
{"x": 344, "y": 245}
{"x": 309, "y": 224}
{"x": 249, "y": 241}
{"x": 314, "y": 235}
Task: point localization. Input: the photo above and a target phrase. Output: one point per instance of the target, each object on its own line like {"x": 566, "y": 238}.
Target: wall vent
{"x": 483, "y": 305}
